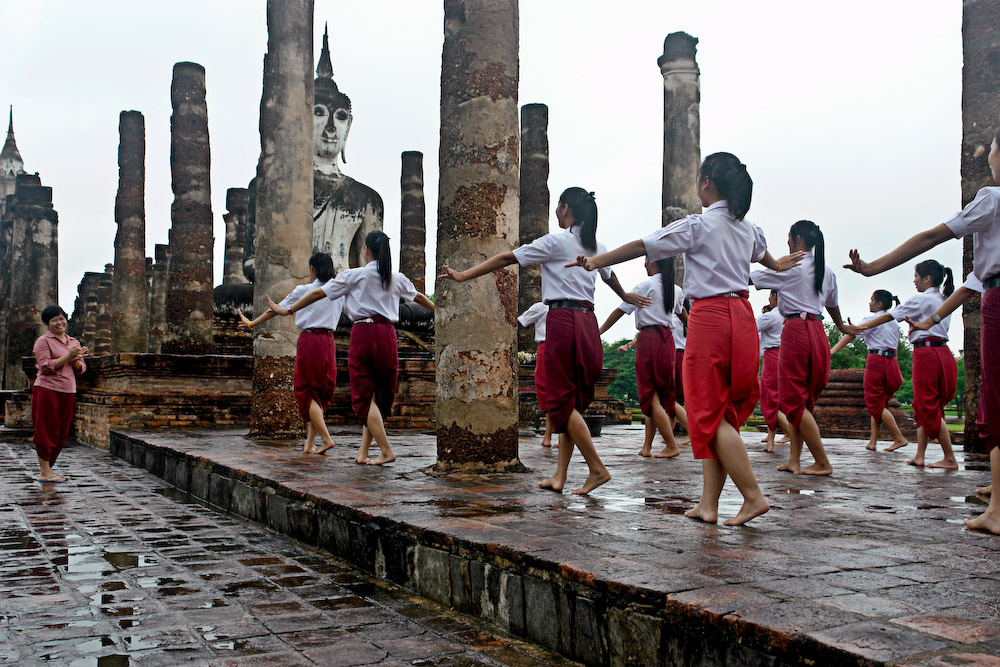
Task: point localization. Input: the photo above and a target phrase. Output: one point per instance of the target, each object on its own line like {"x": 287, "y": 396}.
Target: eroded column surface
{"x": 6, "y": 225}
{"x": 681, "y": 132}
{"x": 475, "y": 322}
{"x": 86, "y": 329}
{"x": 412, "y": 224}
{"x": 980, "y": 119}
{"x": 534, "y": 214}
{"x": 283, "y": 210}
{"x": 189, "y": 284}
{"x": 102, "y": 336}
{"x": 158, "y": 298}
{"x": 236, "y": 229}
{"x": 34, "y": 276}
{"x": 129, "y": 299}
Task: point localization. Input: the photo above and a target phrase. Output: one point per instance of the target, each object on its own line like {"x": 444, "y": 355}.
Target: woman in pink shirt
{"x": 59, "y": 359}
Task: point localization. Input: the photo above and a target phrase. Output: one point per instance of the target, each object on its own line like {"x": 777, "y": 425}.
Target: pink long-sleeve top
{"x": 47, "y": 349}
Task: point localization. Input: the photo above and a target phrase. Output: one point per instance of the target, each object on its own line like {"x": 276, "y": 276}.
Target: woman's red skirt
{"x": 804, "y": 367}
{"x": 882, "y": 381}
{"x": 315, "y": 374}
{"x": 989, "y": 356}
{"x": 654, "y": 368}
{"x": 373, "y": 363}
{"x": 720, "y": 368}
{"x": 574, "y": 360}
{"x": 52, "y": 416}
{"x": 543, "y": 404}
{"x": 679, "y": 376}
{"x": 935, "y": 378}
{"x": 769, "y": 388}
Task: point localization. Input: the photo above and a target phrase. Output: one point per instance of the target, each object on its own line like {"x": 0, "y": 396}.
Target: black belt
{"x": 728, "y": 295}
{"x": 317, "y": 330}
{"x": 930, "y": 343}
{"x": 772, "y": 348}
{"x": 374, "y": 319}
{"x": 884, "y": 353}
{"x": 569, "y": 303}
{"x": 990, "y": 283}
{"x": 654, "y": 327}
{"x": 803, "y": 316}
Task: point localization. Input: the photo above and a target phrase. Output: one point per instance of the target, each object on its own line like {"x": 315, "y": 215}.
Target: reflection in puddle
{"x": 804, "y": 492}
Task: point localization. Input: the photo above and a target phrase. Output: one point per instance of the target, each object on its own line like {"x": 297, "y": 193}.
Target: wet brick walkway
{"x": 116, "y": 568}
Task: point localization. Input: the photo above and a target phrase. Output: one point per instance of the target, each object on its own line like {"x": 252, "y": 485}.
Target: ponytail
{"x": 885, "y": 298}
{"x": 810, "y": 233}
{"x": 378, "y": 244}
{"x": 584, "y": 209}
{"x": 731, "y": 179}
{"x": 666, "y": 267}
{"x": 938, "y": 273}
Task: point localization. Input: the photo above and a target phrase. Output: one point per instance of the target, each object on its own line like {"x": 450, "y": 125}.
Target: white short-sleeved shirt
{"x": 654, "y": 314}
{"x": 536, "y": 315}
{"x": 981, "y": 218}
{"x": 796, "y": 293}
{"x": 883, "y": 337}
{"x": 920, "y": 306}
{"x": 973, "y": 283}
{"x": 322, "y": 314}
{"x": 553, "y": 252}
{"x": 363, "y": 293}
{"x": 676, "y": 326}
{"x": 717, "y": 250}
{"x": 769, "y": 326}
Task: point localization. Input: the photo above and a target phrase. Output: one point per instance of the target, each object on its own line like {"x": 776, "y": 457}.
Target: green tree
{"x": 624, "y": 387}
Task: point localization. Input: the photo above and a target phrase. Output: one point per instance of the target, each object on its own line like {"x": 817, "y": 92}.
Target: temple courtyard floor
{"x": 869, "y": 566}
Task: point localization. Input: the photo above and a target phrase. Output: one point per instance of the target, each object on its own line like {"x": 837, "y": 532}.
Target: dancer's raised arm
{"x": 910, "y": 248}
{"x": 494, "y": 263}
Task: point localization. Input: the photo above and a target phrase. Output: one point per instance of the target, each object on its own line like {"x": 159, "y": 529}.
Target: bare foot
{"x": 815, "y": 469}
{"x": 987, "y": 522}
{"x": 52, "y": 478}
{"x": 769, "y": 449}
{"x": 646, "y": 451}
{"x": 382, "y": 458}
{"x": 308, "y": 448}
{"x": 667, "y": 453}
{"x": 553, "y": 484}
{"x": 788, "y": 466}
{"x": 915, "y": 461}
{"x": 784, "y": 440}
{"x": 896, "y": 445}
{"x": 686, "y": 442}
{"x": 871, "y": 447}
{"x": 985, "y": 490}
{"x": 703, "y": 514}
{"x": 594, "y": 480}
{"x": 947, "y": 464}
{"x": 747, "y": 512}
{"x": 546, "y": 443}
{"x": 764, "y": 440}
{"x": 324, "y": 449}
{"x": 361, "y": 460}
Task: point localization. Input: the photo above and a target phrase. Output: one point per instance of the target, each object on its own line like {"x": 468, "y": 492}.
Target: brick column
{"x": 534, "y": 214}
{"x": 236, "y": 229}
{"x": 158, "y": 298}
{"x": 412, "y": 225}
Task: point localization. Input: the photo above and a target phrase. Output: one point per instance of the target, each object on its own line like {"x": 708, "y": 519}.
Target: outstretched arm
{"x": 841, "y": 344}
{"x": 422, "y": 300}
{"x": 617, "y": 256}
{"x": 782, "y": 263}
{"x": 311, "y": 297}
{"x": 855, "y": 329}
{"x": 957, "y": 298}
{"x": 615, "y": 315}
{"x": 494, "y": 263}
{"x": 263, "y": 317}
{"x": 837, "y": 320}
{"x": 627, "y": 297}
{"x": 909, "y": 249}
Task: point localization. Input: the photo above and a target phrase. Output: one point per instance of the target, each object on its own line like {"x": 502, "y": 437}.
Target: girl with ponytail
{"x": 573, "y": 353}
{"x": 804, "y": 355}
{"x": 935, "y": 373}
{"x": 720, "y": 361}
{"x": 882, "y": 376}
{"x": 371, "y": 300}
{"x": 654, "y": 353}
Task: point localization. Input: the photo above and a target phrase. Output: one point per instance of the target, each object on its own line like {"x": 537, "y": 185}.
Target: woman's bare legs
{"x": 47, "y": 473}
{"x": 647, "y": 442}
{"x": 876, "y": 426}
{"x": 989, "y": 520}
{"x": 578, "y": 434}
{"x": 918, "y": 458}
{"x": 662, "y": 422}
{"x": 547, "y": 438}
{"x": 558, "y": 479}
{"x": 307, "y": 446}
{"x": 809, "y": 430}
{"x": 898, "y": 439}
{"x": 376, "y": 428}
{"x": 732, "y": 461}
{"x": 317, "y": 426}
{"x": 948, "y": 462}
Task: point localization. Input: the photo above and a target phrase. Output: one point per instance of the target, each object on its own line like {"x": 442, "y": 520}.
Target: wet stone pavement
{"x": 117, "y": 568}
{"x": 869, "y": 566}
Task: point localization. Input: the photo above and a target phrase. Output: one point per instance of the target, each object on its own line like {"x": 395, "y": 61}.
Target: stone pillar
{"x": 681, "y": 132}
{"x": 102, "y": 337}
{"x": 284, "y": 210}
{"x": 980, "y": 109}
{"x": 189, "y": 282}
{"x": 534, "y": 215}
{"x": 236, "y": 229}
{"x": 158, "y": 298}
{"x": 6, "y": 224}
{"x": 475, "y": 322}
{"x": 130, "y": 298}
{"x": 34, "y": 274}
{"x": 88, "y": 299}
{"x": 412, "y": 224}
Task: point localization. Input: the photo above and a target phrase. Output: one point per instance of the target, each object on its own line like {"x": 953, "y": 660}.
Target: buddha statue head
{"x": 331, "y": 115}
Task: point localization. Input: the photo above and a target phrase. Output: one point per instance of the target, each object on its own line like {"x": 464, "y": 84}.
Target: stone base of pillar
{"x": 460, "y": 451}
{"x": 273, "y": 412}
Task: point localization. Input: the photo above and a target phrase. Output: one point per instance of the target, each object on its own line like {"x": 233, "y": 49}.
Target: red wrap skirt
{"x": 679, "y": 376}
{"x": 882, "y": 381}
{"x": 372, "y": 361}
{"x": 315, "y": 375}
{"x": 52, "y": 416}
{"x": 804, "y": 367}
{"x": 574, "y": 360}
{"x": 543, "y": 404}
{"x": 720, "y": 368}
{"x": 988, "y": 418}
{"x": 935, "y": 378}
{"x": 654, "y": 368}
{"x": 769, "y": 388}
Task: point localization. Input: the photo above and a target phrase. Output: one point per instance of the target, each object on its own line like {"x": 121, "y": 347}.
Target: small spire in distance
{"x": 324, "y": 70}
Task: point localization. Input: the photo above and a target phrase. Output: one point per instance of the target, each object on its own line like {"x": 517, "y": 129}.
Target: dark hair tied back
{"x": 885, "y": 298}
{"x": 322, "y": 264}
{"x": 584, "y": 209}
{"x": 731, "y": 179}
{"x": 666, "y": 267}
{"x": 378, "y": 243}
{"x": 938, "y": 273}
{"x": 809, "y": 232}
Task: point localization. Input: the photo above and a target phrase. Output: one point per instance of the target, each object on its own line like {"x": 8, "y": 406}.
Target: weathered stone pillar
{"x": 34, "y": 274}
{"x": 980, "y": 109}
{"x": 102, "y": 339}
{"x": 189, "y": 283}
{"x": 236, "y": 229}
{"x": 534, "y": 215}
{"x": 412, "y": 225}
{"x": 130, "y": 298}
{"x": 88, "y": 308}
{"x": 284, "y": 209}
{"x": 158, "y": 298}
{"x": 475, "y": 322}
{"x": 6, "y": 225}
{"x": 681, "y": 132}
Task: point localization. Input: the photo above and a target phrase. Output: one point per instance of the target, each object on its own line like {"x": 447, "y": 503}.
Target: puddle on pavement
{"x": 123, "y": 560}
{"x": 342, "y": 602}
{"x": 261, "y": 560}
{"x": 139, "y": 643}
{"x": 464, "y": 509}
{"x": 213, "y": 603}
{"x": 241, "y": 586}
{"x": 157, "y": 582}
{"x": 804, "y": 492}
{"x": 292, "y": 582}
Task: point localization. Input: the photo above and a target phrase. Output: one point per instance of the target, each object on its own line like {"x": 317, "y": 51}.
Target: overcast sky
{"x": 848, "y": 113}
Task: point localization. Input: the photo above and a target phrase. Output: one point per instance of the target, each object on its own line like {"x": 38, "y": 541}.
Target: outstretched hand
{"x": 585, "y": 262}
{"x": 275, "y": 308}
{"x": 451, "y": 274}
{"x": 851, "y": 329}
{"x": 246, "y": 322}
{"x": 922, "y": 325}
{"x": 624, "y": 348}
{"x": 791, "y": 260}
{"x": 637, "y": 300}
{"x": 858, "y": 265}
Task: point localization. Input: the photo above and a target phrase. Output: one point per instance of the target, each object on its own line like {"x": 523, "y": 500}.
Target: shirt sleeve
{"x": 678, "y": 300}
{"x": 43, "y": 355}
{"x": 669, "y": 241}
{"x": 337, "y": 287}
{"x": 532, "y": 314}
{"x": 605, "y": 271}
{"x": 980, "y": 214}
{"x": 293, "y": 296}
{"x": 973, "y": 283}
{"x": 759, "y": 244}
{"x": 830, "y": 286}
{"x": 768, "y": 279}
{"x": 536, "y": 252}
{"x": 405, "y": 287}
{"x": 910, "y": 307}
{"x": 642, "y": 289}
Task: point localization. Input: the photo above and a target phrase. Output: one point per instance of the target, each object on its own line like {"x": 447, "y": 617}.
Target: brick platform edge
{"x": 593, "y": 620}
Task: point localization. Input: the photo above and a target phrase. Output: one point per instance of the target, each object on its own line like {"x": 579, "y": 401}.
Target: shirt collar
{"x": 718, "y": 204}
